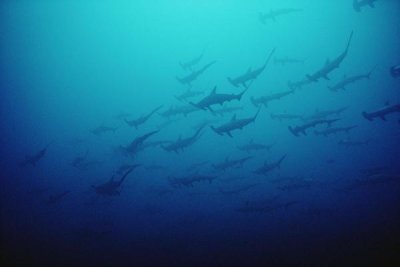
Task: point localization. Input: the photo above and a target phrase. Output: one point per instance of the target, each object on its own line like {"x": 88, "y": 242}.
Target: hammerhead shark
{"x": 181, "y": 143}
{"x": 264, "y": 100}
{"x": 53, "y": 199}
{"x": 142, "y": 119}
{"x": 137, "y": 143}
{"x": 335, "y": 130}
{"x": 189, "y": 64}
{"x": 251, "y": 145}
{"x": 180, "y": 110}
{"x": 273, "y": 14}
{"x": 322, "y": 114}
{"x": 215, "y": 98}
{"x": 227, "y": 163}
{"x": 381, "y": 113}
{"x": 358, "y": 4}
{"x": 349, "y": 143}
{"x": 268, "y": 167}
{"x": 224, "y": 110}
{"x": 287, "y": 60}
{"x": 237, "y": 190}
{"x": 188, "y": 181}
{"x": 234, "y": 124}
{"x": 112, "y": 187}
{"x": 349, "y": 80}
{"x": 34, "y": 159}
{"x": 193, "y": 76}
{"x": 250, "y": 75}
{"x": 330, "y": 65}
{"x": 302, "y": 129}
{"x": 188, "y": 94}
{"x": 395, "y": 71}
{"x": 103, "y": 129}
{"x": 285, "y": 116}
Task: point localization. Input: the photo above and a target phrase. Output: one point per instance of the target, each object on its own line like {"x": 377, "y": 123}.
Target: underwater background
{"x": 116, "y": 151}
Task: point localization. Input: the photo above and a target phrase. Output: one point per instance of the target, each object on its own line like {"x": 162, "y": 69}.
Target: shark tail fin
{"x": 215, "y": 130}
{"x": 253, "y": 101}
{"x": 195, "y": 105}
{"x": 295, "y": 133}
{"x": 280, "y": 160}
{"x": 239, "y": 96}
{"x": 258, "y": 112}
{"x": 366, "y": 116}
{"x": 269, "y": 56}
{"x": 349, "y": 42}
{"x": 232, "y": 82}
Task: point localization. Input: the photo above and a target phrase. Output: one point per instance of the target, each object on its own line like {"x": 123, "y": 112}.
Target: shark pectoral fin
{"x": 326, "y": 77}
{"x": 371, "y": 4}
{"x": 229, "y": 134}
{"x": 383, "y": 118}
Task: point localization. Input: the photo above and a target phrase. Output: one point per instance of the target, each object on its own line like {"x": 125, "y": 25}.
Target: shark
{"x": 273, "y": 14}
{"x": 358, "y": 4}
{"x": 35, "y": 158}
{"x": 298, "y": 84}
{"x": 137, "y": 143}
{"x": 350, "y": 143}
{"x": 322, "y": 114}
{"x": 302, "y": 129}
{"x": 179, "y": 110}
{"x": 264, "y": 100}
{"x": 188, "y": 181}
{"x": 266, "y": 168}
{"x": 56, "y": 198}
{"x": 181, "y": 143}
{"x": 188, "y": 94}
{"x": 227, "y": 163}
{"x": 395, "y": 71}
{"x": 252, "y": 146}
{"x": 141, "y": 120}
{"x": 215, "y": 98}
{"x": 335, "y": 130}
{"x": 103, "y": 129}
{"x": 286, "y": 60}
{"x": 285, "y": 116}
{"x": 187, "y": 80}
{"x": 381, "y": 113}
{"x": 224, "y": 110}
{"x": 237, "y": 190}
{"x": 349, "y": 80}
{"x": 234, "y": 124}
{"x": 188, "y": 65}
{"x": 330, "y": 65}
{"x": 250, "y": 75}
{"x": 112, "y": 187}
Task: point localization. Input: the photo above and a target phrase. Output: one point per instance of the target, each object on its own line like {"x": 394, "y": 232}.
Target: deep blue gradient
{"x": 68, "y": 67}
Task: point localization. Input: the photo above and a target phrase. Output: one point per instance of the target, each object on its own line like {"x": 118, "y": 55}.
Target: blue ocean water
{"x": 200, "y": 133}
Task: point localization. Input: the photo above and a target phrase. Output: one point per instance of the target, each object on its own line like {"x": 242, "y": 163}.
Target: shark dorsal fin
{"x": 344, "y": 76}
{"x": 249, "y": 70}
{"x": 214, "y": 91}
{"x": 251, "y": 141}
{"x": 233, "y": 117}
